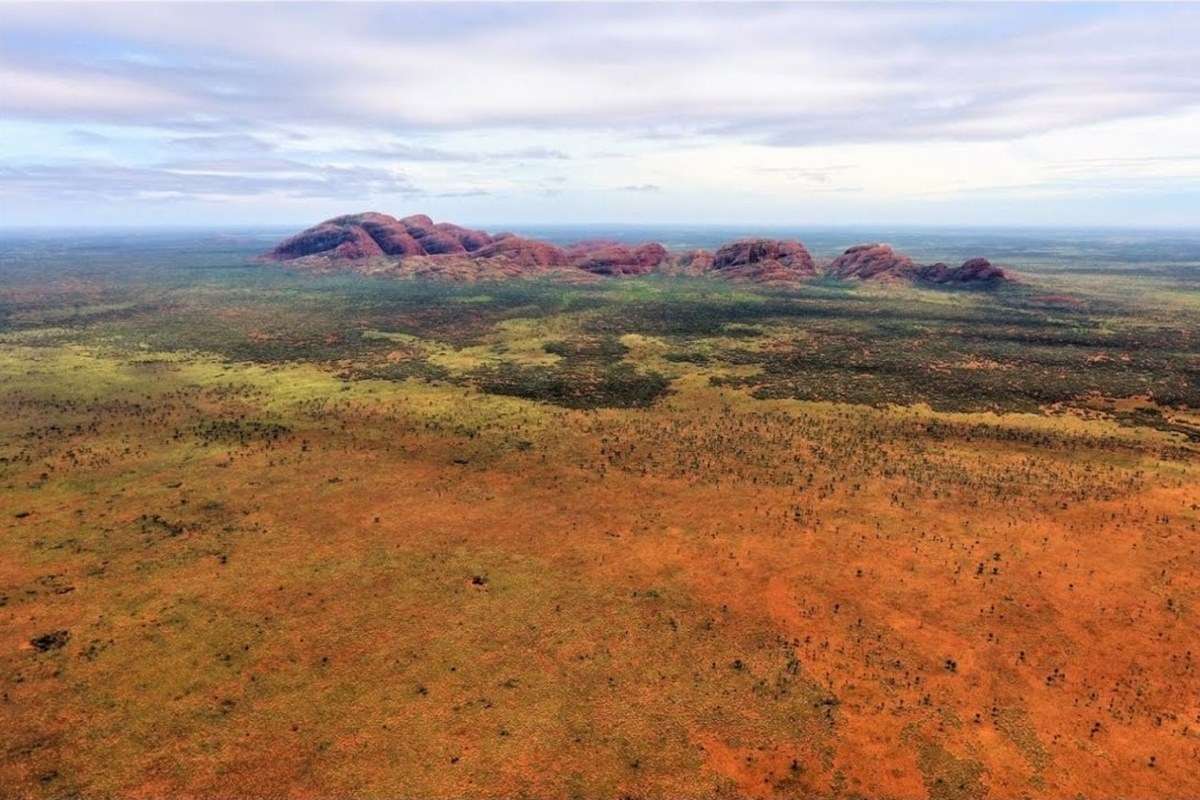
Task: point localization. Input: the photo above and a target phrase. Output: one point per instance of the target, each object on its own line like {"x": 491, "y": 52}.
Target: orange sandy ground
{"x": 713, "y": 598}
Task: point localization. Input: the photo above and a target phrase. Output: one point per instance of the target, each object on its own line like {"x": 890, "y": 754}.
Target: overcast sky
{"x": 873, "y": 114}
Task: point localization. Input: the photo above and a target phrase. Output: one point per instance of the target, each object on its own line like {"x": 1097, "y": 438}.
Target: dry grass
{"x": 278, "y": 583}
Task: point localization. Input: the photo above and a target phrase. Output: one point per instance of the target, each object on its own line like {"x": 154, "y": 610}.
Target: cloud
{"x": 786, "y": 75}
{"x": 86, "y": 137}
{"x": 1085, "y": 188}
{"x": 408, "y": 152}
{"x": 80, "y": 95}
{"x": 530, "y": 154}
{"x": 748, "y": 107}
{"x": 465, "y": 193}
{"x": 199, "y": 180}
{"x": 1129, "y": 164}
{"x": 222, "y": 143}
{"x": 818, "y": 176}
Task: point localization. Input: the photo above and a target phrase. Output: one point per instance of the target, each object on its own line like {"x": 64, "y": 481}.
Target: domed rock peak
{"x": 612, "y": 258}
{"x": 371, "y": 234}
{"x": 764, "y": 260}
{"x": 415, "y": 246}
{"x": 867, "y": 261}
{"x": 973, "y": 271}
{"x": 525, "y": 252}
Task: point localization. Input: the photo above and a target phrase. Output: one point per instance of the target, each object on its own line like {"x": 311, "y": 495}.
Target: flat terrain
{"x": 268, "y": 535}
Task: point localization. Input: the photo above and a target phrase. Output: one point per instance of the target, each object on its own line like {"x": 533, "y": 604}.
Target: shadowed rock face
{"x": 867, "y": 261}
{"x": 392, "y": 238}
{"x": 973, "y": 271}
{"x": 417, "y": 224}
{"x": 755, "y": 251}
{"x": 695, "y": 262}
{"x": 764, "y": 260}
{"x": 371, "y": 234}
{"x": 344, "y": 241}
{"x": 439, "y": 243}
{"x": 978, "y": 269}
{"x": 471, "y": 240}
{"x": 524, "y": 252}
{"x": 611, "y": 258}
{"x": 689, "y": 262}
{"x": 881, "y": 262}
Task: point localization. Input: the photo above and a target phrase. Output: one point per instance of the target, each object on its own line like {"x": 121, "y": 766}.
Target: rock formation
{"x": 691, "y": 262}
{"x": 471, "y": 240}
{"x": 613, "y": 258}
{"x": 392, "y": 237}
{"x": 524, "y": 252}
{"x": 371, "y": 234}
{"x": 416, "y": 246}
{"x": 974, "y": 271}
{"x": 764, "y": 260}
{"x": 867, "y": 261}
{"x": 881, "y": 262}
{"x": 337, "y": 239}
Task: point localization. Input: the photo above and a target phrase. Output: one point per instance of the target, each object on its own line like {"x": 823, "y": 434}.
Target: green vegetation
{"x": 1006, "y": 350}
{"x": 644, "y": 538}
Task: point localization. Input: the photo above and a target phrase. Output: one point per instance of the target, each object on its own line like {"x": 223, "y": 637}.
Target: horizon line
{"x": 249, "y": 226}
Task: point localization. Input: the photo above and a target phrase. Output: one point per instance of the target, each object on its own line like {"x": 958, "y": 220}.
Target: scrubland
{"x": 263, "y": 535}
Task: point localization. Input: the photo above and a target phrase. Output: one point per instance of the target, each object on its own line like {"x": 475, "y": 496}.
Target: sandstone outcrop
{"x": 764, "y": 260}
{"x": 868, "y": 261}
{"x": 357, "y": 236}
{"x": 612, "y": 258}
{"x": 974, "y": 271}
{"x": 416, "y": 246}
{"x": 524, "y": 252}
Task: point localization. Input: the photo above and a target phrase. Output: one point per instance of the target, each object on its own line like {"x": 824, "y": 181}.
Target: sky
{"x": 800, "y": 114}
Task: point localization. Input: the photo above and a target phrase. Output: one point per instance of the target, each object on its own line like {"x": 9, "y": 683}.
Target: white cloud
{"x": 784, "y": 108}
{"x": 77, "y": 95}
{"x": 790, "y": 74}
